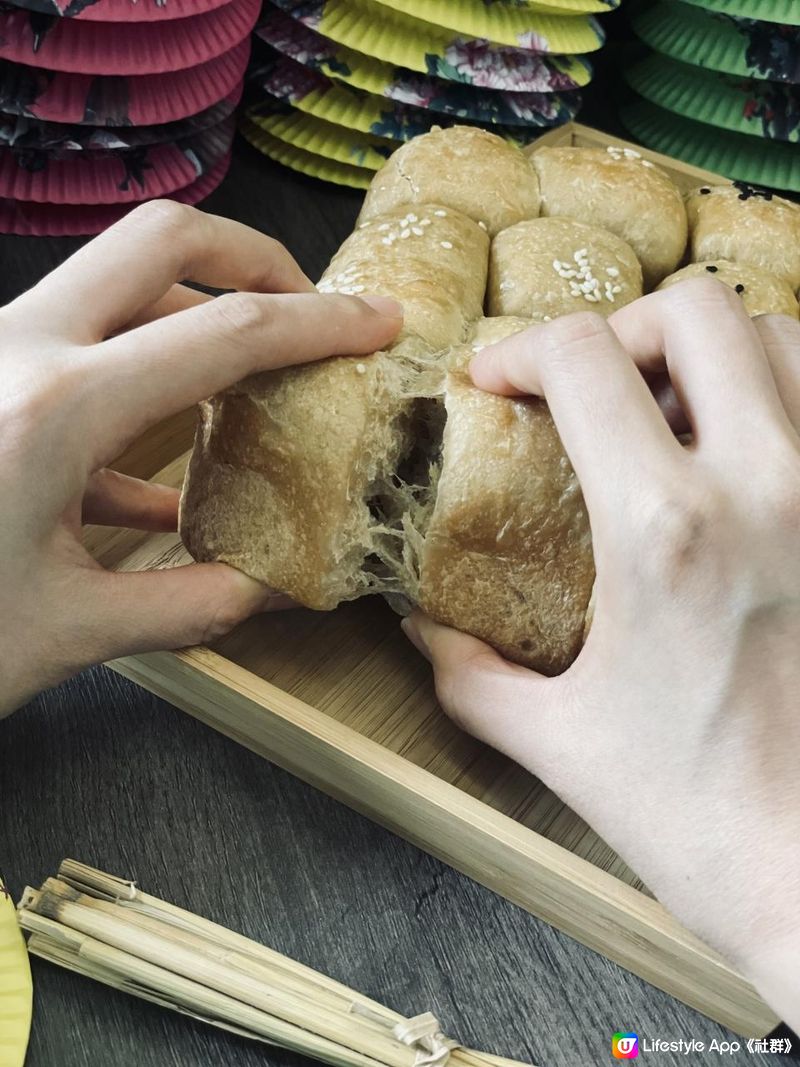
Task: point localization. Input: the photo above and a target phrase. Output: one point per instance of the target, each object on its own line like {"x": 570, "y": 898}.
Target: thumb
{"x": 496, "y": 701}
{"x": 196, "y": 604}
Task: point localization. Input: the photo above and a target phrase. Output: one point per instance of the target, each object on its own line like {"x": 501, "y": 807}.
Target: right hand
{"x": 676, "y": 732}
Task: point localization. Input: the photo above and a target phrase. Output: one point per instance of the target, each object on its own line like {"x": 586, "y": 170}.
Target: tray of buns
{"x": 393, "y": 475}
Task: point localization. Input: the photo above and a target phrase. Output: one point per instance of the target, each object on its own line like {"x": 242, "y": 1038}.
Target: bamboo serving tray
{"x": 342, "y": 700}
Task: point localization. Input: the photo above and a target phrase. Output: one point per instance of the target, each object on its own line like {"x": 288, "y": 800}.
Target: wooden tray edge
{"x": 575, "y": 133}
{"x": 545, "y": 879}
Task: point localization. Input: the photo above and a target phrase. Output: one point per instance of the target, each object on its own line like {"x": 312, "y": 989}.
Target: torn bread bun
{"x": 290, "y": 468}
{"x": 545, "y": 268}
{"x": 352, "y": 476}
{"x": 480, "y": 174}
{"x": 745, "y": 224}
{"x": 282, "y": 471}
{"x": 762, "y": 293}
{"x": 618, "y": 189}
{"x": 506, "y": 554}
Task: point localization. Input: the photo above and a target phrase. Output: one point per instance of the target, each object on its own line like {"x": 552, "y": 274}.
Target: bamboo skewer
{"x": 119, "y": 970}
{"x": 248, "y": 964}
{"x": 128, "y": 896}
{"x": 166, "y": 952}
{"x": 107, "y": 929}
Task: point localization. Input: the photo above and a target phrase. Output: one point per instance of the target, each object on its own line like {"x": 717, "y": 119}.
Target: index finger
{"x": 177, "y": 298}
{"x": 141, "y": 376}
{"x": 608, "y": 421}
{"x": 109, "y": 281}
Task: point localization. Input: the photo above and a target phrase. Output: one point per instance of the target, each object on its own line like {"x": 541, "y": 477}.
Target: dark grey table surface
{"x": 102, "y": 771}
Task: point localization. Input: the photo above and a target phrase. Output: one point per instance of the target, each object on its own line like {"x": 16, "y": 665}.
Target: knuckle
{"x": 164, "y": 216}
{"x": 703, "y": 294}
{"x": 344, "y": 308}
{"x": 575, "y": 329}
{"x": 241, "y": 312}
{"x": 226, "y": 614}
{"x": 33, "y": 402}
{"x": 276, "y": 250}
{"x": 678, "y": 526}
{"x": 221, "y": 623}
{"x": 568, "y": 347}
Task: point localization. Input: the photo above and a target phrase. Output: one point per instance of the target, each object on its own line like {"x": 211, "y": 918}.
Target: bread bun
{"x": 478, "y": 173}
{"x": 748, "y": 225}
{"x": 545, "y": 268}
{"x": 431, "y": 258}
{"x": 619, "y": 190}
{"x": 394, "y": 473}
{"x": 277, "y": 485}
{"x": 507, "y": 553}
{"x": 762, "y": 292}
{"x": 286, "y": 464}
{"x": 501, "y": 547}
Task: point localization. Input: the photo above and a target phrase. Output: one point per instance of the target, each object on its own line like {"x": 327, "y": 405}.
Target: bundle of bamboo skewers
{"x": 106, "y": 928}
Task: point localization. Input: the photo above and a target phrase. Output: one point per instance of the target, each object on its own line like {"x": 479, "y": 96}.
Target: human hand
{"x": 676, "y": 732}
{"x": 101, "y": 349}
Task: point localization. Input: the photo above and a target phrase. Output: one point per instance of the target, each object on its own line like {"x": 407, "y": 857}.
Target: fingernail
{"x": 384, "y": 305}
{"x": 411, "y": 630}
{"x": 479, "y": 364}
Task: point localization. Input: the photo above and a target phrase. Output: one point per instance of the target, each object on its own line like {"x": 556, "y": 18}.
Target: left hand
{"x": 101, "y": 349}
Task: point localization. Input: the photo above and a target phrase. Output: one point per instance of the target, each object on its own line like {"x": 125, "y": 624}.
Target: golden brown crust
{"x": 431, "y": 258}
{"x": 465, "y": 168}
{"x": 763, "y": 293}
{"x": 747, "y": 225}
{"x": 507, "y": 555}
{"x": 546, "y": 268}
{"x": 617, "y": 189}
